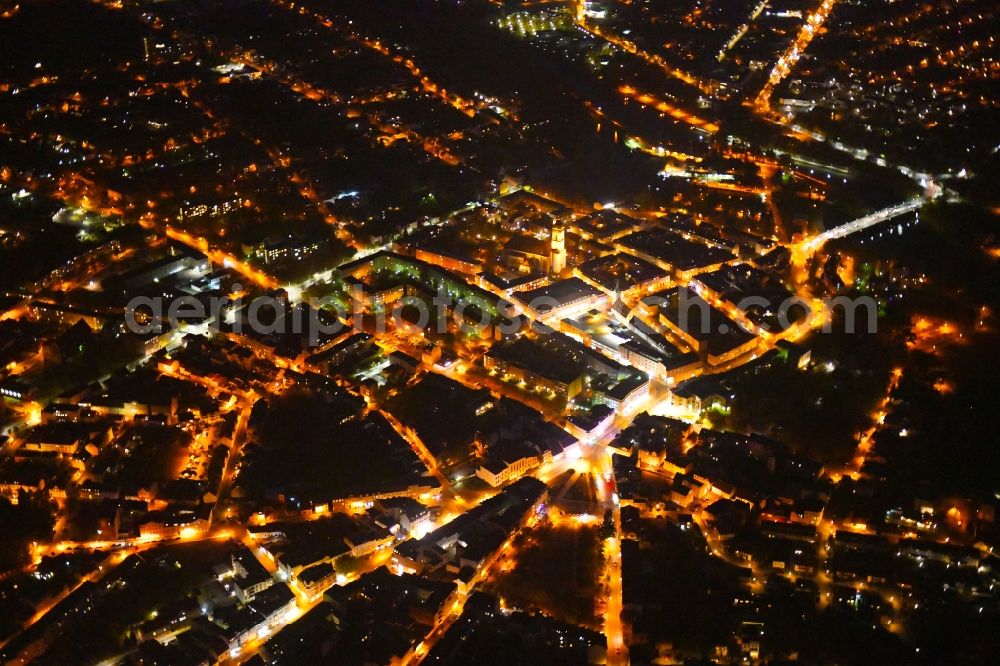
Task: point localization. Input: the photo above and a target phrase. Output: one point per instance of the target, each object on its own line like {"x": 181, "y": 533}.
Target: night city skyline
{"x": 499, "y": 332}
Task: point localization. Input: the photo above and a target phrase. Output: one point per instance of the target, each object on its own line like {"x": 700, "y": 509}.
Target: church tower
{"x": 557, "y": 258}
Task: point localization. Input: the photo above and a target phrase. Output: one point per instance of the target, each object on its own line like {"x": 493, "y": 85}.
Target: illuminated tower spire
{"x": 557, "y": 259}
